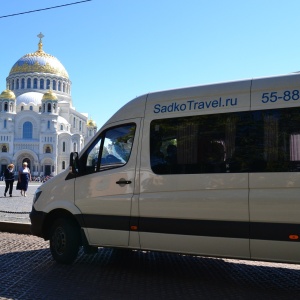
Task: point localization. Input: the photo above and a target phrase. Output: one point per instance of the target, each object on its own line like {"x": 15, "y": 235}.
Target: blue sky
{"x": 115, "y": 50}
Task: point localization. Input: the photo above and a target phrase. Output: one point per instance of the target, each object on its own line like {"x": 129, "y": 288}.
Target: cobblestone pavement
{"x": 27, "y": 271}
{"x": 17, "y": 203}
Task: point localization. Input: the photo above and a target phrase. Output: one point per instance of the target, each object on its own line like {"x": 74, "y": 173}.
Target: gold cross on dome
{"x": 40, "y": 35}
{"x": 40, "y": 50}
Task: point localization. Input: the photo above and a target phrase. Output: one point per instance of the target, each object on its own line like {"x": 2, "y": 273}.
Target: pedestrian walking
{"x": 24, "y": 178}
{"x": 9, "y": 178}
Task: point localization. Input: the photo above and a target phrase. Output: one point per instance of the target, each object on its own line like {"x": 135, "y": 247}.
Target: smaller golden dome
{"x": 91, "y": 123}
{"x": 7, "y": 94}
{"x": 49, "y": 96}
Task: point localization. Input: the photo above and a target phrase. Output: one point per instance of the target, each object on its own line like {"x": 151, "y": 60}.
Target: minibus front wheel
{"x": 64, "y": 240}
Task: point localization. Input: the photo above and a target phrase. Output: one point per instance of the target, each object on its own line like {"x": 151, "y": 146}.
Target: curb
{"x": 13, "y": 227}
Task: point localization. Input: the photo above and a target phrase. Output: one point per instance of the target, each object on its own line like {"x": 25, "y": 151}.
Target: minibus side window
{"x": 199, "y": 144}
{"x": 89, "y": 161}
{"x": 254, "y": 141}
{"x": 111, "y": 149}
{"x": 278, "y": 143}
{"x": 117, "y": 145}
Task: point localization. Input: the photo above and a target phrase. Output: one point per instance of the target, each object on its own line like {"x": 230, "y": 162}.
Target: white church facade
{"x": 38, "y": 123}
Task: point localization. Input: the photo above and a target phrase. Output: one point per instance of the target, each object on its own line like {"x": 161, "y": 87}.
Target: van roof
{"x": 211, "y": 96}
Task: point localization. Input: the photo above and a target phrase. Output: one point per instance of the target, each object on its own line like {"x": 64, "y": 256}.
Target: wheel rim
{"x": 59, "y": 241}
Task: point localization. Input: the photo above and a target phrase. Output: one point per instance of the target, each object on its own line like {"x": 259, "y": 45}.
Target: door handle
{"x": 123, "y": 181}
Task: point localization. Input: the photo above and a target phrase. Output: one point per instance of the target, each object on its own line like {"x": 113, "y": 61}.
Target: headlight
{"x": 36, "y": 196}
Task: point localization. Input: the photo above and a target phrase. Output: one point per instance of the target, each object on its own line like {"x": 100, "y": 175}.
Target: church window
{"x": 4, "y": 148}
{"x": 74, "y": 122}
{"x": 48, "y": 84}
{"x": 42, "y": 84}
{"x": 49, "y": 107}
{"x": 54, "y": 84}
{"x": 40, "y": 108}
{"x": 17, "y": 84}
{"x": 64, "y": 88}
{"x": 61, "y": 127}
{"x": 63, "y": 165}
{"x": 30, "y": 107}
{"x": 64, "y": 147}
{"x": 5, "y": 123}
{"x": 35, "y": 83}
{"x": 13, "y": 85}
{"x": 5, "y": 106}
{"x": 27, "y": 130}
{"x": 23, "y": 83}
{"x": 29, "y": 83}
{"x": 48, "y": 124}
{"x": 10, "y": 107}
{"x": 48, "y": 149}
{"x": 59, "y": 86}
{"x": 74, "y": 147}
{"x": 22, "y": 107}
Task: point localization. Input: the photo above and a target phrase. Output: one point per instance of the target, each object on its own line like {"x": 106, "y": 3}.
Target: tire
{"x": 64, "y": 241}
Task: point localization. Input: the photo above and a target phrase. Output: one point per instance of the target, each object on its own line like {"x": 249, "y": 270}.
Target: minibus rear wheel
{"x": 64, "y": 240}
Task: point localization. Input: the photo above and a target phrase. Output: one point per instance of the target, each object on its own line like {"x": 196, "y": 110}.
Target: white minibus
{"x": 211, "y": 170}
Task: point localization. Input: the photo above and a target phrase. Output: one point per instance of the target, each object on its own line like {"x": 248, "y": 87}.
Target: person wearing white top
{"x": 24, "y": 178}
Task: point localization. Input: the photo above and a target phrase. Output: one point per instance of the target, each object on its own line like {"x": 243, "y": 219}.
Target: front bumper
{"x": 37, "y": 219}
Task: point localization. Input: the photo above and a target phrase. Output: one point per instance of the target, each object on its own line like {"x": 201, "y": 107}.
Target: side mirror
{"x": 74, "y": 163}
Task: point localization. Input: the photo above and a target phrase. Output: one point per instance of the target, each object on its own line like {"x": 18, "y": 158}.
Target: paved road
{"x": 27, "y": 271}
{"x": 17, "y": 203}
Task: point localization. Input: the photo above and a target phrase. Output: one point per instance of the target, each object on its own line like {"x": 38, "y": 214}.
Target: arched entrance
{"x": 24, "y": 158}
{"x": 47, "y": 166}
{"x": 28, "y": 156}
{"x": 47, "y": 170}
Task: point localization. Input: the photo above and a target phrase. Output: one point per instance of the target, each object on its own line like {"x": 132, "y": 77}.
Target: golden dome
{"x": 49, "y": 96}
{"x": 7, "y": 94}
{"x": 40, "y": 62}
{"x": 91, "y": 123}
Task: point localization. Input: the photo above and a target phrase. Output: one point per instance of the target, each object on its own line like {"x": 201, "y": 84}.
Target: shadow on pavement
{"x": 125, "y": 274}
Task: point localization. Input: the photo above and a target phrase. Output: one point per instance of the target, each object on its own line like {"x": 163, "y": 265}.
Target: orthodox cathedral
{"x": 38, "y": 123}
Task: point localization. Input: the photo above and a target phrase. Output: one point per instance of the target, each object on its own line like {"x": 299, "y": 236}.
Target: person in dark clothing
{"x": 9, "y": 177}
